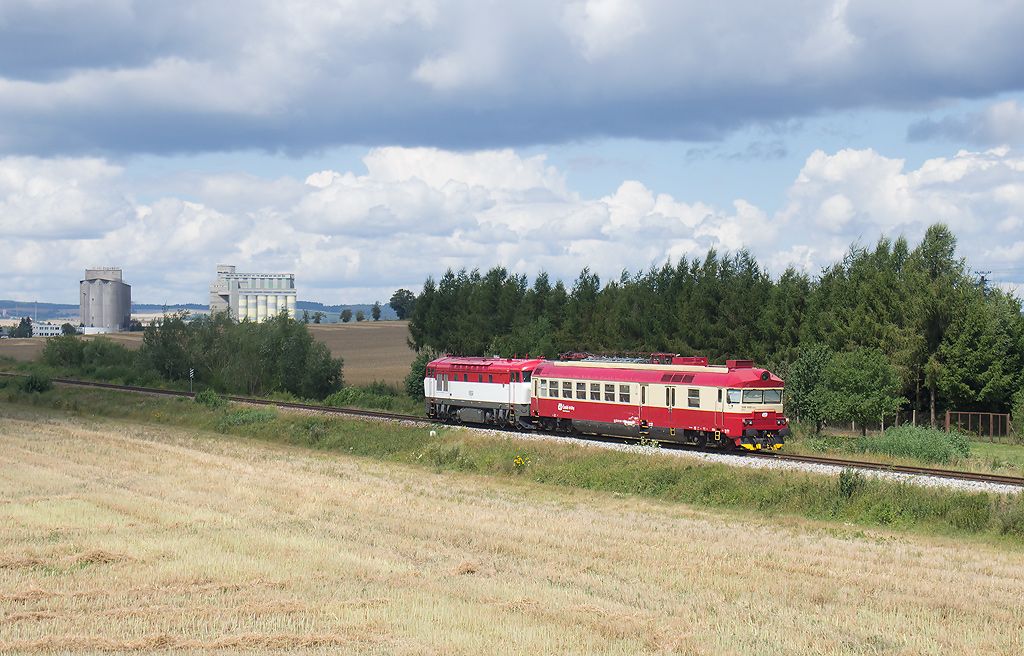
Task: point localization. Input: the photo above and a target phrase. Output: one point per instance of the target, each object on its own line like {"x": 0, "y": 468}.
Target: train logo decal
{"x": 564, "y": 407}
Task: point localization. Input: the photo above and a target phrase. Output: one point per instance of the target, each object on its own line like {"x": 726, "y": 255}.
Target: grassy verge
{"x": 375, "y": 396}
{"x": 851, "y": 498}
{"x": 914, "y": 446}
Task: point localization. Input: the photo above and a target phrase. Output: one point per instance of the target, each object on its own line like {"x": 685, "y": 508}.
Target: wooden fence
{"x": 988, "y": 426}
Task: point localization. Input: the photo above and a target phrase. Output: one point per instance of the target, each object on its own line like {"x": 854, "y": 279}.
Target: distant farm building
{"x": 252, "y": 296}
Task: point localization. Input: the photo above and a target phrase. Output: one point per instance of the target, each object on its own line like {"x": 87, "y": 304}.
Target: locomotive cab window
{"x": 753, "y": 396}
{"x": 734, "y": 396}
{"x": 595, "y": 391}
{"x": 693, "y": 398}
{"x": 773, "y": 396}
{"x": 526, "y": 376}
{"x": 609, "y": 393}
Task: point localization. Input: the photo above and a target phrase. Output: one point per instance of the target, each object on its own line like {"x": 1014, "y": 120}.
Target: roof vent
{"x": 739, "y": 364}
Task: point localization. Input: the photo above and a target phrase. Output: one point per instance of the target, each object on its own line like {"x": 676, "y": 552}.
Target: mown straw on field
{"x": 122, "y": 537}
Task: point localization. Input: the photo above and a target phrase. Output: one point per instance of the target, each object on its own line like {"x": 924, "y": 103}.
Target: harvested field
{"x": 126, "y": 537}
{"x": 372, "y": 350}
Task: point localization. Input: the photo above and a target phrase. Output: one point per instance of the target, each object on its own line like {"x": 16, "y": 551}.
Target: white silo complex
{"x": 252, "y": 296}
{"x": 105, "y": 300}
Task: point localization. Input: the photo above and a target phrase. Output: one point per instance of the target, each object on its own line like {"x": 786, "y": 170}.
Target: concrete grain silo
{"x": 252, "y": 296}
{"x": 105, "y": 300}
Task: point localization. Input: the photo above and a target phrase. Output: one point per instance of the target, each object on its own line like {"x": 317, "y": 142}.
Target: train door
{"x": 640, "y": 410}
{"x": 670, "y": 402}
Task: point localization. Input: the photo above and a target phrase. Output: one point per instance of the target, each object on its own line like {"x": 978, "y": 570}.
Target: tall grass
{"x": 927, "y": 445}
{"x": 851, "y": 498}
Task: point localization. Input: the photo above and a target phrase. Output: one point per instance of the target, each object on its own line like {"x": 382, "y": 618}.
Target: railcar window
{"x": 693, "y": 398}
{"x": 623, "y": 393}
{"x": 566, "y": 389}
{"x": 753, "y": 396}
{"x": 581, "y": 391}
{"x": 543, "y": 388}
{"x": 609, "y": 393}
{"x": 490, "y": 378}
{"x": 526, "y": 376}
{"x": 595, "y": 391}
{"x": 553, "y": 389}
{"x": 734, "y": 396}
{"x": 643, "y": 395}
{"x": 773, "y": 396}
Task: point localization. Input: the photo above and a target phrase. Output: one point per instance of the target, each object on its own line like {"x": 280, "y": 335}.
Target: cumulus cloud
{"x": 353, "y": 237}
{"x": 126, "y": 76}
{"x": 1000, "y": 123}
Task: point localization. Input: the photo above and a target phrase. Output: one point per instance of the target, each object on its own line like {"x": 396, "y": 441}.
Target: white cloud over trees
{"x": 418, "y": 211}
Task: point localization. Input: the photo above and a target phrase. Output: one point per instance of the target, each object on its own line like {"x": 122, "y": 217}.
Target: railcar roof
{"x": 497, "y": 364}
{"x": 659, "y": 374}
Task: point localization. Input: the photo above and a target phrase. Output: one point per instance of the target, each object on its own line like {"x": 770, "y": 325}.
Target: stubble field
{"x": 130, "y": 537}
{"x": 372, "y": 350}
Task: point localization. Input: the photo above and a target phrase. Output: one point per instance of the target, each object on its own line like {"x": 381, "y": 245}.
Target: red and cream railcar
{"x": 480, "y": 390}
{"x": 685, "y": 401}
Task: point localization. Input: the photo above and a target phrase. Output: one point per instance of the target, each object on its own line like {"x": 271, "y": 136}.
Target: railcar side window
{"x": 773, "y": 396}
{"x": 553, "y": 389}
{"x": 693, "y": 398}
{"x": 609, "y": 393}
{"x": 581, "y": 391}
{"x": 480, "y": 378}
{"x": 595, "y": 391}
{"x": 734, "y": 396}
{"x": 753, "y": 396}
{"x": 623, "y": 393}
{"x": 566, "y": 389}
{"x": 490, "y": 378}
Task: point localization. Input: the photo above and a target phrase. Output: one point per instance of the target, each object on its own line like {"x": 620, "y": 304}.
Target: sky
{"x": 364, "y": 146}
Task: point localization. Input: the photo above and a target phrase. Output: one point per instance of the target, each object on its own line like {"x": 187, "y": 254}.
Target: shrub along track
{"x": 376, "y": 414}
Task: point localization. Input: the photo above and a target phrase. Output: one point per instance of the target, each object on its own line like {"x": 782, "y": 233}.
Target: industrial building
{"x": 252, "y": 296}
{"x": 105, "y": 301}
{"x": 45, "y": 329}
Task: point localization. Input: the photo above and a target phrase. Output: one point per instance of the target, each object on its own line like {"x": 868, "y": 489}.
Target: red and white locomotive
{"x": 666, "y": 397}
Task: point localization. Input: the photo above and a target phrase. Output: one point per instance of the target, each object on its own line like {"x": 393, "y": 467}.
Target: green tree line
{"x": 945, "y": 340}
{"x": 277, "y": 355}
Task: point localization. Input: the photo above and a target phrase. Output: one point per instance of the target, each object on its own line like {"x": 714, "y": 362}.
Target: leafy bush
{"x": 36, "y": 383}
{"x": 246, "y": 417}
{"x": 210, "y": 399}
{"x": 851, "y": 482}
{"x": 362, "y": 397}
{"x": 418, "y": 371}
{"x": 925, "y": 444}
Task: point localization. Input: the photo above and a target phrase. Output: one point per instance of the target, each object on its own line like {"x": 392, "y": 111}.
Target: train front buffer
{"x": 764, "y": 431}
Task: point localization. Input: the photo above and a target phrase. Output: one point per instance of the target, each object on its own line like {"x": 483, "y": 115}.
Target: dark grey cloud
{"x": 119, "y": 77}
{"x": 999, "y": 124}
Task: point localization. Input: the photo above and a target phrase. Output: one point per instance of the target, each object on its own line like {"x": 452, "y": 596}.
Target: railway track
{"x": 376, "y": 414}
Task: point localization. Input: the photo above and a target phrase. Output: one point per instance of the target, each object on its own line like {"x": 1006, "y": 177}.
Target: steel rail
{"x": 376, "y": 414}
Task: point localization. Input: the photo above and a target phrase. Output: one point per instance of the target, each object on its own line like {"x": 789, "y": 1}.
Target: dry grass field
{"x": 135, "y": 538}
{"x": 372, "y": 350}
